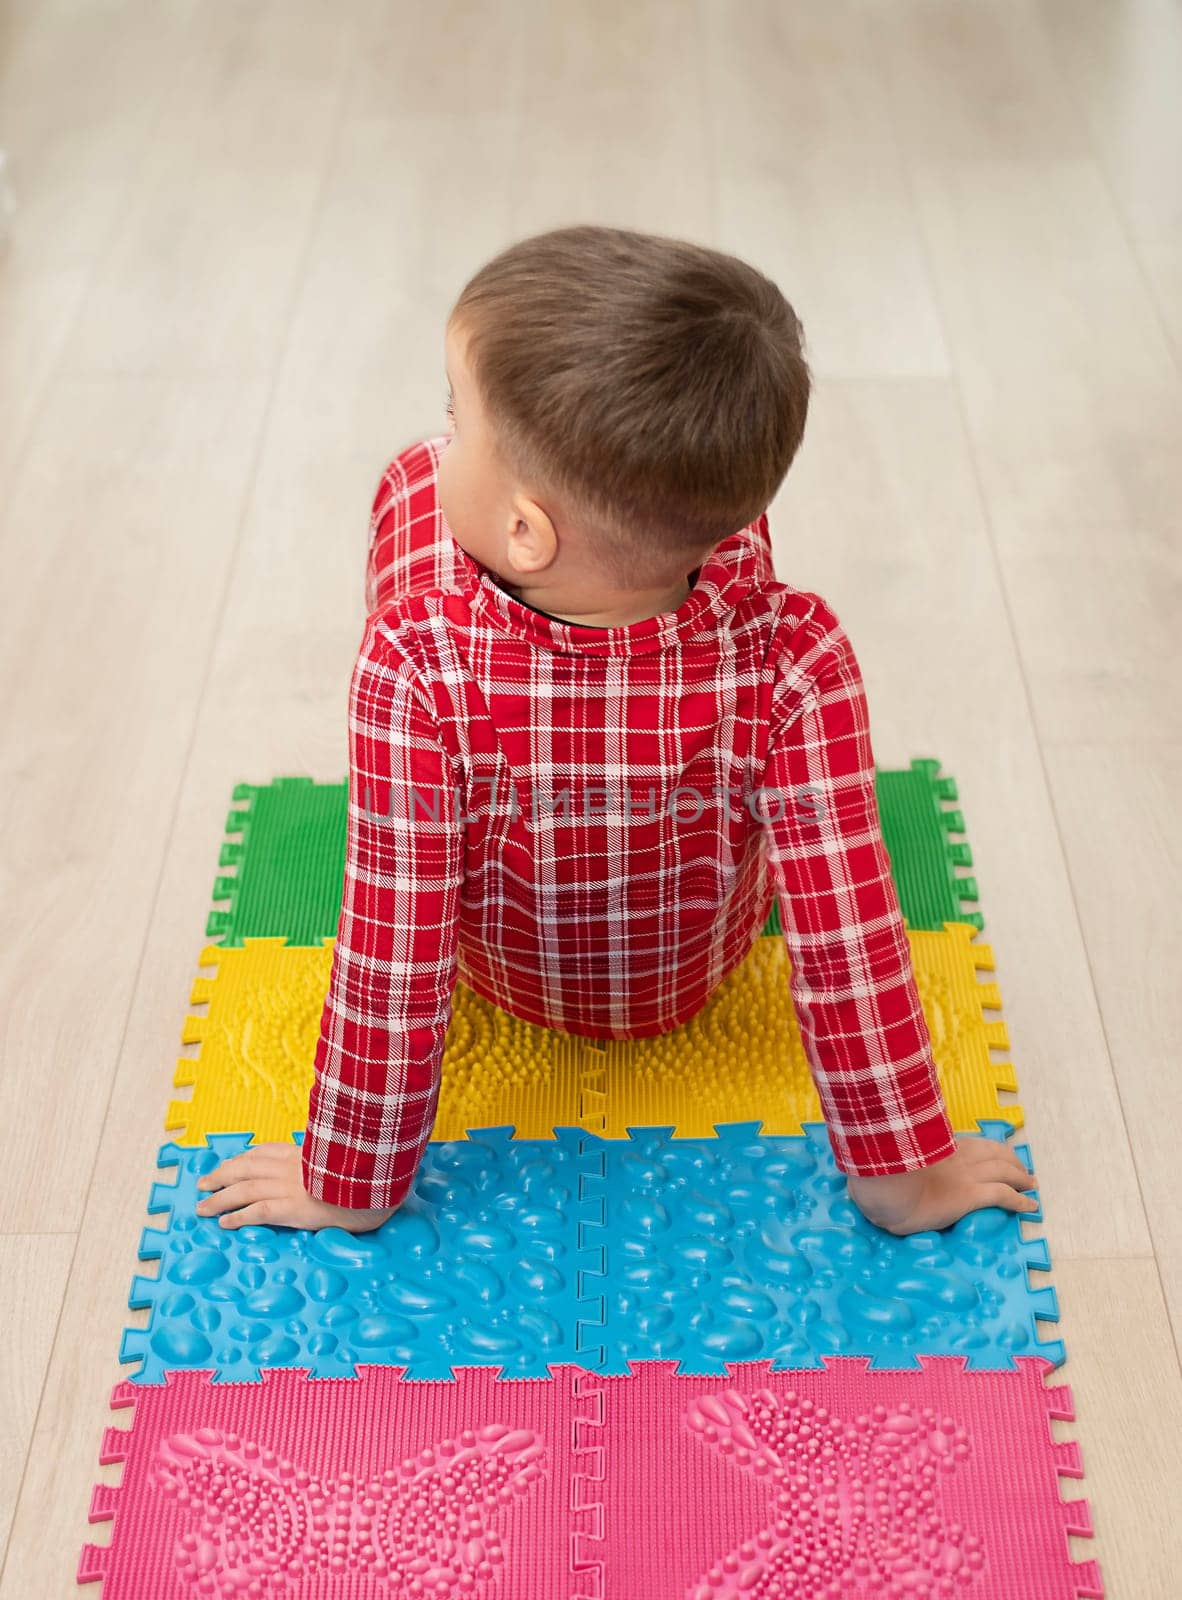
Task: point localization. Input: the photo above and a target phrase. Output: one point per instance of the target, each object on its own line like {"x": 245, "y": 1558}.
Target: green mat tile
{"x": 917, "y": 827}
{"x": 287, "y": 847}
{"x": 288, "y": 850}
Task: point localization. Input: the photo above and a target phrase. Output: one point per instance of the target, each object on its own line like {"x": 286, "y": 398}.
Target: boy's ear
{"x": 532, "y": 542}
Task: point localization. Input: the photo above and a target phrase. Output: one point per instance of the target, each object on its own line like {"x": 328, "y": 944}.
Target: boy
{"x": 591, "y": 735}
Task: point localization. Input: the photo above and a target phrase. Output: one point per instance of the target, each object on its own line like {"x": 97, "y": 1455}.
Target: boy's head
{"x": 622, "y": 402}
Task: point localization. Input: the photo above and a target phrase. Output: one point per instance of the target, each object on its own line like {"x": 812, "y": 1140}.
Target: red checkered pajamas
{"x": 587, "y": 827}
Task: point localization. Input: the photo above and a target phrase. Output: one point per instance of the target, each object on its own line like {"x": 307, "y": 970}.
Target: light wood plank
{"x": 1075, "y": 448}
{"x": 1123, "y": 1372}
{"x": 1124, "y": 65}
{"x": 200, "y": 275}
{"x": 1096, "y": 608}
{"x": 171, "y": 460}
{"x": 82, "y": 89}
{"x": 1035, "y": 273}
{"x": 974, "y": 80}
{"x": 1118, "y": 810}
{"x": 33, "y": 1269}
{"x": 635, "y": 73}
{"x": 122, "y": 529}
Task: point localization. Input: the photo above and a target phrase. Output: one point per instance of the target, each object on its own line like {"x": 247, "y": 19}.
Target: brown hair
{"x": 656, "y": 389}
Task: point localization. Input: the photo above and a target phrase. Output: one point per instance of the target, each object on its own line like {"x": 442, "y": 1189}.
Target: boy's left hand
{"x": 265, "y": 1184}
{"x": 981, "y": 1173}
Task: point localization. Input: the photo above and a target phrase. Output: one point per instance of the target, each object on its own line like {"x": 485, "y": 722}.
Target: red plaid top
{"x": 587, "y": 826}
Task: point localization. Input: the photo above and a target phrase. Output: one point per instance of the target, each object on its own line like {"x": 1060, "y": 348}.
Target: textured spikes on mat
{"x": 918, "y": 825}
{"x": 825, "y": 1485}
{"x": 500, "y": 1070}
{"x": 286, "y": 845}
{"x": 418, "y": 1509}
{"x": 846, "y": 1483}
{"x": 741, "y": 1057}
{"x": 598, "y": 1253}
{"x": 586, "y": 1342}
{"x": 258, "y": 1044}
{"x": 257, "y": 1038}
{"x": 745, "y": 1247}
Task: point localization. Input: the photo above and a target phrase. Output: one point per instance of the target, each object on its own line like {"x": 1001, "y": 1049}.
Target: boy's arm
{"x": 410, "y": 547}
{"x": 853, "y": 985}
{"x": 377, "y": 1065}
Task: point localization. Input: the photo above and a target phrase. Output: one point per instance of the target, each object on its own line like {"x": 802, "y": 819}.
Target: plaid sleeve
{"x": 852, "y": 981}
{"x": 377, "y": 510}
{"x": 410, "y": 546}
{"x": 377, "y": 1065}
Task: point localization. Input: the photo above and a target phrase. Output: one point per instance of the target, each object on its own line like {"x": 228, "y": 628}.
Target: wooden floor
{"x": 239, "y": 228}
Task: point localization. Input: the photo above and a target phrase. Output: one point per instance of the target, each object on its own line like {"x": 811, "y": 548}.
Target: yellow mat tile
{"x": 741, "y": 1058}
{"x": 499, "y": 1070}
{"x": 258, "y": 1042}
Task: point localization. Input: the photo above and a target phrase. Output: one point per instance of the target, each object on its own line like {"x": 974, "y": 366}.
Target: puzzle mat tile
{"x": 258, "y": 1042}
{"x": 918, "y": 828}
{"x": 482, "y": 1264}
{"x": 520, "y": 1254}
{"x": 371, "y": 1488}
{"x": 826, "y": 1485}
{"x": 286, "y": 844}
{"x": 743, "y": 1248}
{"x": 741, "y": 1057}
{"x": 834, "y": 1484}
{"x": 924, "y": 837}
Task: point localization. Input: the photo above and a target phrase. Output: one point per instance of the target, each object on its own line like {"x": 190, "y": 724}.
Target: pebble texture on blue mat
{"x": 736, "y": 1248}
{"x": 746, "y": 1248}
{"x": 479, "y": 1267}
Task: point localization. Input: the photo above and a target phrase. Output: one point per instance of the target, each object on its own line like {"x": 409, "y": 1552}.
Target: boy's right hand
{"x": 265, "y": 1184}
{"x": 981, "y": 1173}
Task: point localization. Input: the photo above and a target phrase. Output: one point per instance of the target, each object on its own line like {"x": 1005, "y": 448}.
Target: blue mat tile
{"x": 523, "y": 1253}
{"x": 745, "y": 1248}
{"x": 479, "y": 1267}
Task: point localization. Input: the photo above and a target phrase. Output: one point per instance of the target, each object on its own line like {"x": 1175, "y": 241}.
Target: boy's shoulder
{"x": 797, "y": 625}
{"x": 428, "y": 612}
{"x": 411, "y": 548}
{"x": 419, "y": 630}
{"x": 806, "y": 656}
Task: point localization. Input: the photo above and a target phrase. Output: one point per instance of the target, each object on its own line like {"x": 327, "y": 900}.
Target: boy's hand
{"x": 981, "y": 1173}
{"x": 265, "y": 1184}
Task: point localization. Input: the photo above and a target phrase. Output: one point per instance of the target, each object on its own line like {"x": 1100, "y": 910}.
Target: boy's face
{"x": 474, "y": 496}
{"x": 490, "y": 516}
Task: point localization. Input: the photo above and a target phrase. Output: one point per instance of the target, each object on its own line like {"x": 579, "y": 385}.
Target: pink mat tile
{"x": 361, "y": 1487}
{"x": 836, "y": 1484}
{"x": 807, "y": 1485}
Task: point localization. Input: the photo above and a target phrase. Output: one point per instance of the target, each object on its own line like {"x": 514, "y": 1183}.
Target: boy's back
{"x": 586, "y": 825}
{"x": 588, "y": 741}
